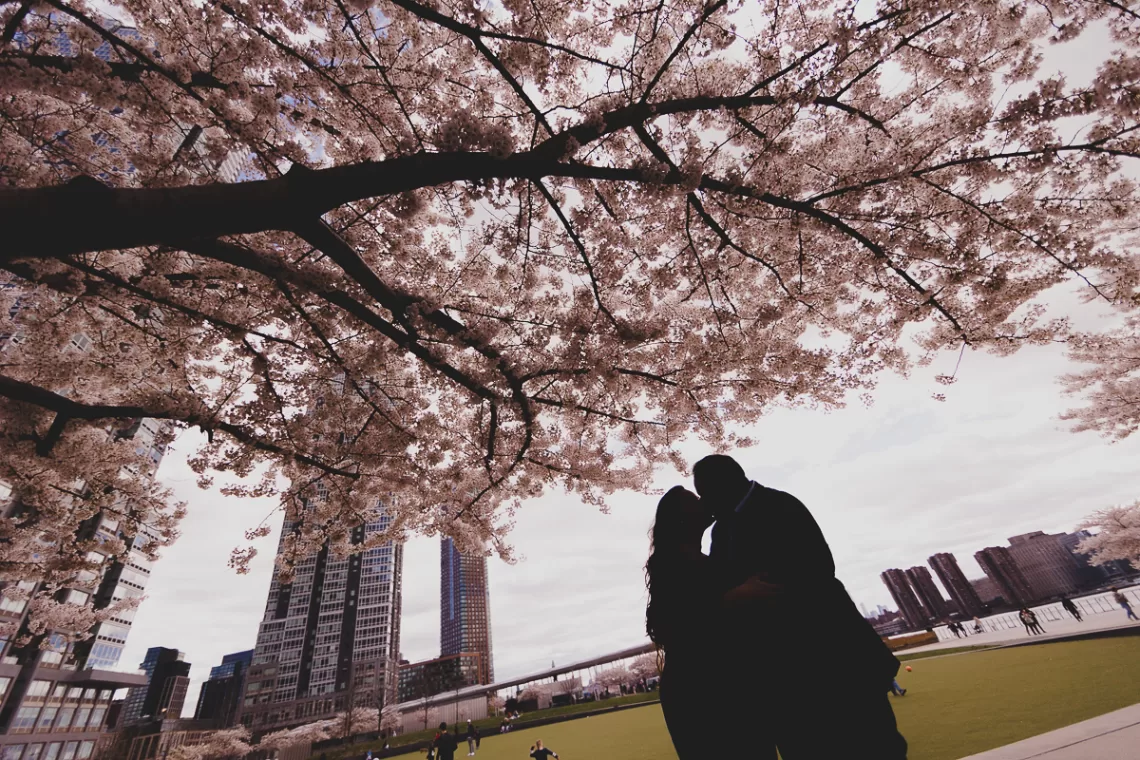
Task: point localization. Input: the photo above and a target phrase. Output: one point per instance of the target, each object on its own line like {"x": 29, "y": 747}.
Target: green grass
{"x": 956, "y": 706}
{"x": 489, "y": 726}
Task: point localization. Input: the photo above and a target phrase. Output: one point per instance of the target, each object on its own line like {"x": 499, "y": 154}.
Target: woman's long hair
{"x": 665, "y": 538}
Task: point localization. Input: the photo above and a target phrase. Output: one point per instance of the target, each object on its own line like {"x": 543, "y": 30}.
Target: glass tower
{"x": 465, "y": 607}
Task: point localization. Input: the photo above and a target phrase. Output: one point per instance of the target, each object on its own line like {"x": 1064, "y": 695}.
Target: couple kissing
{"x": 763, "y": 647}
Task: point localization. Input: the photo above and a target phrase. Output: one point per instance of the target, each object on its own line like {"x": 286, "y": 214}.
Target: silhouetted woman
{"x": 685, "y": 620}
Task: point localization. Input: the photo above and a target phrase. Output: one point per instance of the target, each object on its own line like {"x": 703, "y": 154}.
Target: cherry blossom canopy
{"x": 445, "y": 255}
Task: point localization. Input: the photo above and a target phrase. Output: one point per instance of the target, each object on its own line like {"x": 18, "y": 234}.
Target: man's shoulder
{"x": 766, "y": 497}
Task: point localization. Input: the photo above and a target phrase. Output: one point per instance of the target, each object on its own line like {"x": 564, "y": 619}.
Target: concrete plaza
{"x": 1113, "y": 736}
{"x": 1101, "y": 615}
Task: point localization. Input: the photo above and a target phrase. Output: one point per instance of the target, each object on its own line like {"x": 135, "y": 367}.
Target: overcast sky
{"x": 890, "y": 485}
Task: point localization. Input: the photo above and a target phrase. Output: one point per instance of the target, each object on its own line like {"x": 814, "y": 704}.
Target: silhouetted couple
{"x": 763, "y": 646}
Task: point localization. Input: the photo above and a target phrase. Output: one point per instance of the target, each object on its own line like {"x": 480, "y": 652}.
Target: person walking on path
{"x": 1122, "y": 600}
{"x": 1026, "y": 617}
{"x": 1071, "y": 608}
{"x": 978, "y": 625}
{"x": 472, "y": 739}
{"x": 770, "y": 535}
{"x": 897, "y": 690}
{"x": 539, "y": 752}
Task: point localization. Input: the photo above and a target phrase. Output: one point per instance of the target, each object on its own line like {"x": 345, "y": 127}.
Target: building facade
{"x": 928, "y": 593}
{"x": 1002, "y": 569}
{"x": 946, "y": 567}
{"x": 168, "y": 678}
{"x": 909, "y": 606}
{"x": 221, "y": 694}
{"x": 1050, "y": 568}
{"x": 330, "y": 638}
{"x": 1095, "y": 575}
{"x": 465, "y": 607}
{"x": 419, "y": 680}
{"x": 988, "y": 591}
{"x": 55, "y": 694}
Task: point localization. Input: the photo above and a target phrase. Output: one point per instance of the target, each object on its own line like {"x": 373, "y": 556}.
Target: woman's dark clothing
{"x": 697, "y": 696}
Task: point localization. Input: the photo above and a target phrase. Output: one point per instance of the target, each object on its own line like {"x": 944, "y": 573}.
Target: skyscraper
{"x": 167, "y": 679}
{"x": 927, "y": 592}
{"x": 1094, "y": 575}
{"x": 1050, "y": 568}
{"x": 957, "y": 586}
{"x": 908, "y": 604}
{"x": 1000, "y": 566}
{"x": 330, "y": 638}
{"x": 221, "y": 695}
{"x": 465, "y": 607}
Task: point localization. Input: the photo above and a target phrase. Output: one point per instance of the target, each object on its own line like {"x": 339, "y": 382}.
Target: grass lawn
{"x": 956, "y": 706}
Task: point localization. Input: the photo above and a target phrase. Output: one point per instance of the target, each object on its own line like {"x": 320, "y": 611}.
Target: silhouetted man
{"x": 819, "y": 673}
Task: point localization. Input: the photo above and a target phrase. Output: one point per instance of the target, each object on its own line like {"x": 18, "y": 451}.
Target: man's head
{"x": 721, "y": 483}
{"x": 538, "y": 743}
{"x": 443, "y": 726}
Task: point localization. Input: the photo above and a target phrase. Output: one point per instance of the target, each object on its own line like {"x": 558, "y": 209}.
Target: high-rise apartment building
{"x": 168, "y": 678}
{"x": 221, "y": 694}
{"x": 465, "y": 607}
{"x": 957, "y": 586}
{"x": 1000, "y": 566}
{"x": 430, "y": 677}
{"x": 330, "y": 638}
{"x": 988, "y": 591}
{"x": 1095, "y": 575}
{"x": 927, "y": 593}
{"x": 55, "y": 694}
{"x": 1050, "y": 568}
{"x": 909, "y": 606}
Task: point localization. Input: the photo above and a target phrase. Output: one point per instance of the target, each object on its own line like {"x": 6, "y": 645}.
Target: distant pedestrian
{"x": 954, "y": 629}
{"x": 472, "y": 739}
{"x": 1034, "y": 623}
{"x": 897, "y": 690}
{"x": 978, "y": 625}
{"x": 538, "y": 752}
{"x": 1122, "y": 600}
{"x": 1071, "y": 608}
{"x": 444, "y": 744}
{"x": 1027, "y": 620}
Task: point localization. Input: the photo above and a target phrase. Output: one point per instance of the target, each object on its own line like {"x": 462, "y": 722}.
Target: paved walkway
{"x": 1099, "y": 611}
{"x": 1112, "y": 736}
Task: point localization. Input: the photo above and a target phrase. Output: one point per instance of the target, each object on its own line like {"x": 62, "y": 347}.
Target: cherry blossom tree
{"x": 482, "y": 250}
{"x": 1117, "y": 537}
{"x": 612, "y": 678}
{"x": 644, "y": 667}
{"x": 230, "y": 744}
{"x": 1110, "y": 380}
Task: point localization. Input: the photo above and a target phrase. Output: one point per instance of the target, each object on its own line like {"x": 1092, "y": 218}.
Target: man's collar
{"x": 751, "y": 488}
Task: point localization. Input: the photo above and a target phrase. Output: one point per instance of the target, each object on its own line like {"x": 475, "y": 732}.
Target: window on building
{"x": 5, "y": 682}
{"x": 24, "y": 721}
{"x": 63, "y": 722}
{"x": 38, "y": 689}
{"x": 69, "y": 750}
{"x": 47, "y": 717}
{"x": 85, "y": 750}
{"x": 81, "y": 716}
{"x": 12, "y": 752}
{"x": 34, "y": 752}
{"x": 52, "y": 751}
{"x": 96, "y": 722}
